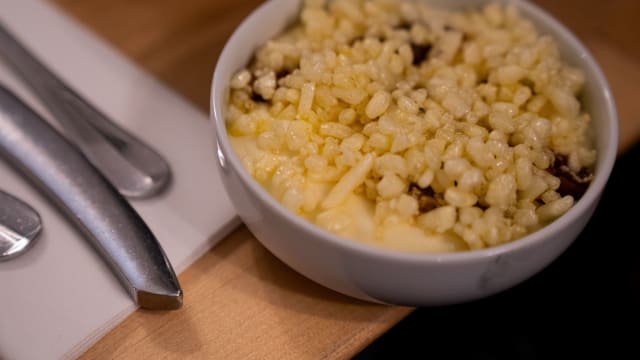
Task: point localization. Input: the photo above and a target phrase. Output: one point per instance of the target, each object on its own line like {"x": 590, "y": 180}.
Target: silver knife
{"x": 114, "y": 228}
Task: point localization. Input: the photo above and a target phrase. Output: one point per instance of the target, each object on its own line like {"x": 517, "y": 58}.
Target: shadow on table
{"x": 587, "y": 301}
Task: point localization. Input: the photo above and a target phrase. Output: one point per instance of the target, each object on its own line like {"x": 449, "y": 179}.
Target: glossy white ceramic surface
{"x": 380, "y": 275}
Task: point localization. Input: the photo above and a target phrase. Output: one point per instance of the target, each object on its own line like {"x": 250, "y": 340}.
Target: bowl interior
{"x": 273, "y": 16}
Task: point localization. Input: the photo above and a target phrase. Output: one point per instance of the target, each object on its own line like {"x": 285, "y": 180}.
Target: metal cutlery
{"x": 134, "y": 168}
{"x": 105, "y": 217}
{"x": 20, "y": 226}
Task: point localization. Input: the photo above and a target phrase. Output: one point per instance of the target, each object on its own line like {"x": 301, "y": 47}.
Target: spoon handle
{"x": 134, "y": 168}
{"x": 20, "y": 225}
{"x": 105, "y": 217}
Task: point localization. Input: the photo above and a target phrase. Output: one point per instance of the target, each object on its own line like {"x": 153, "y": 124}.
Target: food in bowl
{"x": 373, "y": 273}
{"x": 405, "y": 126}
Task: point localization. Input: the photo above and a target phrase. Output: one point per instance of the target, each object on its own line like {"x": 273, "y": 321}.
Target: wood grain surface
{"x": 240, "y": 301}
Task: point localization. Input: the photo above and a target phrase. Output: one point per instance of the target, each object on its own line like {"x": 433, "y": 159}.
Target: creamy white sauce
{"x": 354, "y": 218}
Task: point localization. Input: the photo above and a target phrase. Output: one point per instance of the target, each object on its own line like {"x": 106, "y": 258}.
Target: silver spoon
{"x": 20, "y": 225}
{"x": 134, "y": 168}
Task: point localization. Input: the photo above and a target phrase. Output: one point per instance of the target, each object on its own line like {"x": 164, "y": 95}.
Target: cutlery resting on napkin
{"x": 86, "y": 179}
{"x": 133, "y": 167}
{"x": 63, "y": 297}
{"x": 90, "y": 201}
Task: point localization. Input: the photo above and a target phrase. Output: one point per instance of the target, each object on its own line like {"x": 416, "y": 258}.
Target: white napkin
{"x": 60, "y": 297}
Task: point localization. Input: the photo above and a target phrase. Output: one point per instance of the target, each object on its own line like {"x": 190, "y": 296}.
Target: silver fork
{"x": 20, "y": 225}
{"x": 134, "y": 168}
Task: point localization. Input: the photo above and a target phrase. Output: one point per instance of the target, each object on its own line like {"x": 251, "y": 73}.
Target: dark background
{"x": 586, "y": 303}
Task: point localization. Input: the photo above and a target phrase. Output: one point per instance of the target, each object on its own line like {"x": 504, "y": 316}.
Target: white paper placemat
{"x": 59, "y": 298}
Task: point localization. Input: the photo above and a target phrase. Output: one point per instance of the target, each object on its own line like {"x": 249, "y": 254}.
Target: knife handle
{"x": 114, "y": 228}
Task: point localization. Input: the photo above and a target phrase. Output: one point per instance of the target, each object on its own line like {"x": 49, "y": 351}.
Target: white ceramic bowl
{"x": 380, "y": 275}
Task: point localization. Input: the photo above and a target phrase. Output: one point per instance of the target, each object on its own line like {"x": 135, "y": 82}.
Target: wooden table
{"x": 240, "y": 301}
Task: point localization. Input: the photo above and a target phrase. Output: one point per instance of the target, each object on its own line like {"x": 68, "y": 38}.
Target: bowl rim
{"x": 603, "y": 167}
